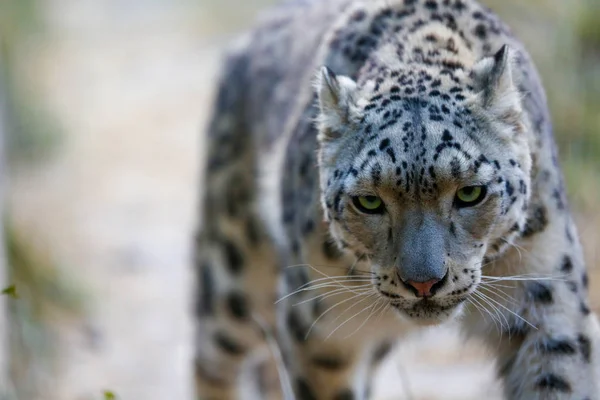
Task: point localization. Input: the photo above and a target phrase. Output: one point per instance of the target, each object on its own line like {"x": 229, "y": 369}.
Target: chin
{"x": 429, "y": 313}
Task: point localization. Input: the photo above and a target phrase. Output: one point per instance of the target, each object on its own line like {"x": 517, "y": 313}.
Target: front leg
{"x": 546, "y": 337}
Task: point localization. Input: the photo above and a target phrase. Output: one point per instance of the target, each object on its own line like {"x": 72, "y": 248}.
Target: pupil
{"x": 468, "y": 190}
{"x": 370, "y": 199}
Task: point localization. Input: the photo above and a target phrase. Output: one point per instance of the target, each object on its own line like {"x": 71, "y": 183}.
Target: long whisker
{"x": 495, "y": 285}
{"x": 334, "y": 282}
{"x": 509, "y": 310}
{"x": 515, "y": 246}
{"x": 329, "y": 309}
{"x": 524, "y": 277}
{"x": 367, "y": 296}
{"x": 326, "y": 295}
{"x": 499, "y": 315}
{"x": 383, "y": 310}
{"x": 376, "y": 309}
{"x": 501, "y": 294}
{"x": 349, "y": 319}
{"x": 353, "y": 267}
{"x": 483, "y": 311}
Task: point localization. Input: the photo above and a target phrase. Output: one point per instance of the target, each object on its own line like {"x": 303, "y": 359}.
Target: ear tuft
{"x": 498, "y": 95}
{"x": 336, "y": 102}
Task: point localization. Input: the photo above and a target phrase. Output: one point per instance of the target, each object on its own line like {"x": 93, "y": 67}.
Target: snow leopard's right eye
{"x": 368, "y": 204}
{"x": 470, "y": 196}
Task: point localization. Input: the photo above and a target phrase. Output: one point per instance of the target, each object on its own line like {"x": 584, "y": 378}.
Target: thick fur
{"x": 409, "y": 101}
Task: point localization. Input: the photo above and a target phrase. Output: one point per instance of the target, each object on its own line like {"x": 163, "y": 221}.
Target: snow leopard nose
{"x": 421, "y": 263}
{"x": 424, "y": 289}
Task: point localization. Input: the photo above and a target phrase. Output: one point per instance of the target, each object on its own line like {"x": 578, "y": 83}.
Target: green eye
{"x": 369, "y": 204}
{"x": 468, "y": 196}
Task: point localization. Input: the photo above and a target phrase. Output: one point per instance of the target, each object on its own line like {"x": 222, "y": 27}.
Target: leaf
{"x": 108, "y": 395}
{"x": 10, "y": 291}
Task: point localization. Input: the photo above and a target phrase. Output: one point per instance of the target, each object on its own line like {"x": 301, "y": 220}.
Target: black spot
{"x": 308, "y": 227}
{"x": 447, "y": 136}
{"x": 228, "y": 345}
{"x": 452, "y": 65}
{"x": 345, "y": 394}
{"x": 392, "y": 155}
{"x": 384, "y": 144}
{"x": 522, "y": 187}
{"x": 518, "y": 329}
{"x": 381, "y": 351}
{"x": 540, "y": 292}
{"x": 480, "y": 31}
{"x": 509, "y": 188}
{"x": 206, "y": 298}
{"x": 585, "y": 280}
{"x": 536, "y": 222}
{"x": 567, "y": 264}
{"x": 330, "y": 249}
{"x": 553, "y": 382}
{"x": 332, "y": 363}
{"x": 431, "y": 4}
{"x": 561, "y": 346}
{"x": 235, "y": 261}
{"x": 376, "y": 174}
{"x": 304, "y": 391}
{"x": 238, "y": 305}
{"x": 358, "y": 15}
{"x": 295, "y": 325}
{"x": 585, "y": 310}
{"x": 585, "y": 347}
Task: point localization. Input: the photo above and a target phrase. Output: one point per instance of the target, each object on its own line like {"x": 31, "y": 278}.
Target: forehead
{"x": 418, "y": 143}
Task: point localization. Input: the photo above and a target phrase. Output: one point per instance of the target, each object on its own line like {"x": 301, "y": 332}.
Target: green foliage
{"x": 10, "y": 291}
{"x": 109, "y": 395}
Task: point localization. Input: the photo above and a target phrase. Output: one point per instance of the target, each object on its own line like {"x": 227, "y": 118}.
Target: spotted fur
{"x": 408, "y": 102}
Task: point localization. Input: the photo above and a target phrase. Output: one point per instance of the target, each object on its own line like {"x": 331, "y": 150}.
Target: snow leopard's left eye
{"x": 469, "y": 196}
{"x": 368, "y": 204}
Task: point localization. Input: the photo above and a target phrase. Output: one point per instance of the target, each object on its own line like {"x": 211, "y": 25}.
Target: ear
{"x": 336, "y": 103}
{"x": 498, "y": 95}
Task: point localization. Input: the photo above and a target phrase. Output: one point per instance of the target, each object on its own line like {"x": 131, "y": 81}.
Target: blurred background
{"x": 102, "y": 108}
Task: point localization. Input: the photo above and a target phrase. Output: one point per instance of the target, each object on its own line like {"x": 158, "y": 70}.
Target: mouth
{"x": 428, "y": 311}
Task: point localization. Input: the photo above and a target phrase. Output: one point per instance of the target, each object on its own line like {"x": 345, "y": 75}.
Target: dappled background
{"x": 105, "y": 102}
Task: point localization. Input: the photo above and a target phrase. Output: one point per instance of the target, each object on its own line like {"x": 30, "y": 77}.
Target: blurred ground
{"x": 129, "y": 83}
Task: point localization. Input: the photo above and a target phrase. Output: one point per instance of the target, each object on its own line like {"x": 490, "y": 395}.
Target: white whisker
{"x": 331, "y": 308}
{"x": 510, "y": 311}
{"x": 366, "y": 319}
{"x": 499, "y": 316}
{"x": 326, "y": 295}
{"x": 352, "y": 317}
